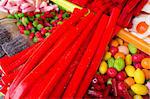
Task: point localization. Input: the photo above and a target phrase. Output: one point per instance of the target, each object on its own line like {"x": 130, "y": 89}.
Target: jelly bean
{"x": 146, "y": 73}
{"x": 20, "y": 15}
{"x": 11, "y": 16}
{"x": 33, "y": 30}
{"x": 138, "y": 65}
{"x": 103, "y": 67}
{"x": 139, "y": 89}
{"x": 119, "y": 55}
{"x": 119, "y": 64}
{"x": 114, "y": 43}
{"x": 16, "y": 16}
{"x": 47, "y": 34}
{"x": 111, "y": 62}
{"x": 137, "y": 97}
{"x": 139, "y": 76}
{"x": 111, "y": 72}
{"x": 132, "y": 49}
{"x": 35, "y": 39}
{"x": 25, "y": 21}
{"x": 146, "y": 63}
{"x": 121, "y": 76}
{"x": 130, "y": 70}
{"x": 137, "y": 58}
{"x": 26, "y": 32}
{"x": 113, "y": 50}
{"x": 128, "y": 59}
{"x": 123, "y": 49}
{"x": 35, "y": 23}
{"x": 37, "y": 15}
{"x": 129, "y": 81}
{"x": 120, "y": 41}
{"x": 39, "y": 26}
{"x": 107, "y": 56}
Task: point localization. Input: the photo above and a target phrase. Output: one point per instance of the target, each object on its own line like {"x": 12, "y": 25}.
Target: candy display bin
{"x": 74, "y": 51}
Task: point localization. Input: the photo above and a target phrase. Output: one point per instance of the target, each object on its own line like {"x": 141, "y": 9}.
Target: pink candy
{"x": 12, "y": 7}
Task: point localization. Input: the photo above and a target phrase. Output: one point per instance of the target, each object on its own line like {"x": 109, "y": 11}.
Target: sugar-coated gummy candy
{"x": 119, "y": 64}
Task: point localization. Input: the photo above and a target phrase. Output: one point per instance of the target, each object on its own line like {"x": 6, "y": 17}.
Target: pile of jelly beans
{"x": 39, "y": 25}
{"x": 123, "y": 73}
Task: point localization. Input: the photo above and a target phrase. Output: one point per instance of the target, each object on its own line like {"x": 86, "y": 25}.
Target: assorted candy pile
{"x": 39, "y": 25}
{"x": 123, "y": 73}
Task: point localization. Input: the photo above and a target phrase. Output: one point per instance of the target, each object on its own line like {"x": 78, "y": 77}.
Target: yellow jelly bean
{"x": 103, "y": 67}
{"x": 107, "y": 56}
{"x": 139, "y": 76}
{"x": 139, "y": 89}
{"x": 130, "y": 70}
{"x": 128, "y": 59}
{"x": 137, "y": 97}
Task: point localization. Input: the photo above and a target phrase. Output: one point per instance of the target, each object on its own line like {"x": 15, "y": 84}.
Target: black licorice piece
{"x": 15, "y": 46}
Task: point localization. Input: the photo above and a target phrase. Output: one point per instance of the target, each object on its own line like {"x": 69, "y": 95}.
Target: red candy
{"x": 121, "y": 76}
{"x": 113, "y": 50}
{"x": 111, "y": 72}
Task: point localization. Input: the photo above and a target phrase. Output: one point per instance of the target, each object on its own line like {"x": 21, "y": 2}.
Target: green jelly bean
{"x": 10, "y": 16}
{"x": 35, "y": 39}
{"x": 39, "y": 26}
{"x": 26, "y": 32}
{"x": 25, "y": 21}
{"x": 111, "y": 62}
{"x": 35, "y": 23}
{"x": 47, "y": 34}
{"x": 119, "y": 64}
{"x": 37, "y": 15}
{"x": 55, "y": 18}
{"x": 60, "y": 22}
{"x": 132, "y": 49}
{"x": 31, "y": 18}
{"x": 20, "y": 15}
{"x": 47, "y": 28}
{"x": 33, "y": 30}
{"x": 16, "y": 16}
{"x": 19, "y": 23}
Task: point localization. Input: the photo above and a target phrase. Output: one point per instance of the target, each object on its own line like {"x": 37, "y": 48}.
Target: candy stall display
{"x": 74, "y": 49}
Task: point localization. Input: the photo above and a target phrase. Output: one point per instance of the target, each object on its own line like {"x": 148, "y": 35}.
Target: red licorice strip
{"x": 42, "y": 50}
{"x": 86, "y": 59}
{"x": 50, "y": 59}
{"x": 7, "y": 79}
{"x": 130, "y": 6}
{"x": 6, "y": 61}
{"x": 64, "y": 61}
{"x": 99, "y": 54}
{"x": 63, "y": 82}
{"x": 21, "y": 60}
{"x": 139, "y": 7}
